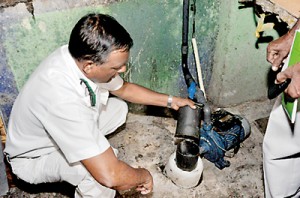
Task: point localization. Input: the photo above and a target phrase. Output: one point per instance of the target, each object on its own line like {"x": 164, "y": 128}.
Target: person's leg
{"x": 281, "y": 142}
{"x": 113, "y": 115}
{"x": 54, "y": 168}
{"x": 282, "y": 177}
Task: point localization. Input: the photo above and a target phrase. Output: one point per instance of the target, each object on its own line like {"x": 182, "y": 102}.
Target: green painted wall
{"x": 240, "y": 69}
{"x": 155, "y": 25}
{"x": 234, "y": 70}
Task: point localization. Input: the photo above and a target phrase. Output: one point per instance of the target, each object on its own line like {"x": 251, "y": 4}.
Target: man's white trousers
{"x": 281, "y": 155}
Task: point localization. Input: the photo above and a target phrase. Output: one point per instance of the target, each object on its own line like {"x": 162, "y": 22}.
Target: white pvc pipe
{"x": 198, "y": 66}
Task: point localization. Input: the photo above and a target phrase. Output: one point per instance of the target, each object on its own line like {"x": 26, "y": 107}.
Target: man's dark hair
{"x": 95, "y": 36}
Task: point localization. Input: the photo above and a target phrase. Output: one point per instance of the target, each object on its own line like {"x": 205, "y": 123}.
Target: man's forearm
{"x": 116, "y": 174}
{"x": 141, "y": 95}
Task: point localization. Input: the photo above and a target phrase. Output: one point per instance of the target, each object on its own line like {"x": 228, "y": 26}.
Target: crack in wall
{"x": 12, "y": 3}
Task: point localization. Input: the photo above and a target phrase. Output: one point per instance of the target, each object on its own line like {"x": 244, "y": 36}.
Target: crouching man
{"x": 60, "y": 118}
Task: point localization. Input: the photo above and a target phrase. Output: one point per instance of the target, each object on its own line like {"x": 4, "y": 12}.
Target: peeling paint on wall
{"x": 240, "y": 70}
{"x": 11, "y": 3}
{"x": 156, "y": 27}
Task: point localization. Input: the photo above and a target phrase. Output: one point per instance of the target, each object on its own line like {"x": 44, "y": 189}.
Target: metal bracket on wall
{"x": 3, "y": 175}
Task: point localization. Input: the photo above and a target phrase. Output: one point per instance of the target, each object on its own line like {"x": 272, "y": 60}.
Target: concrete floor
{"x": 148, "y": 141}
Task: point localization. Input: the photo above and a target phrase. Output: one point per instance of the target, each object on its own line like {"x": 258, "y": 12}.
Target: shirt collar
{"x": 77, "y": 72}
{"x": 79, "y": 75}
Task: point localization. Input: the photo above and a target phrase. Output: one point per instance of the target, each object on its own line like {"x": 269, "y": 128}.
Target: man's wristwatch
{"x": 170, "y": 100}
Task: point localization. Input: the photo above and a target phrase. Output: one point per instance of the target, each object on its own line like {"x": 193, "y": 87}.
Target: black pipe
{"x": 185, "y": 31}
{"x": 184, "y": 48}
{"x": 188, "y": 124}
{"x": 187, "y": 155}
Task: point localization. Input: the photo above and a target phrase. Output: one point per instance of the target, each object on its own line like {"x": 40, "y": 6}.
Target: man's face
{"x": 115, "y": 64}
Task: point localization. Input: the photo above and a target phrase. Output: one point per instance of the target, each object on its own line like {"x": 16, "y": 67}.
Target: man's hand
{"x": 293, "y": 72}
{"x": 147, "y": 186}
{"x": 178, "y": 102}
{"x": 278, "y": 50}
